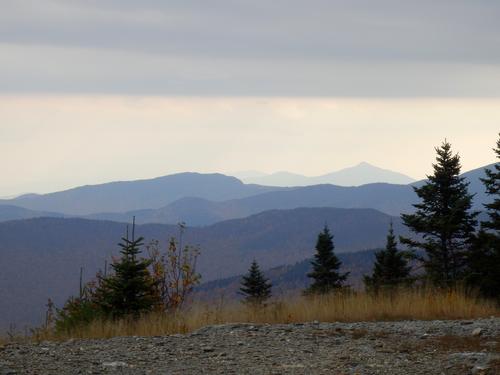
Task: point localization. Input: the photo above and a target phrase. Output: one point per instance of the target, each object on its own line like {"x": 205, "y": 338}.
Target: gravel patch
{"x": 407, "y": 347}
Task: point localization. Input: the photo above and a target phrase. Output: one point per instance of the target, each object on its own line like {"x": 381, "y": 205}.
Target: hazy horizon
{"x": 100, "y": 91}
{"x": 60, "y": 143}
{"x": 241, "y": 175}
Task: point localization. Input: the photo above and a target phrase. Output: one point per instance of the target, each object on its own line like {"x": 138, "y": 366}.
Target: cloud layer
{"x": 251, "y": 48}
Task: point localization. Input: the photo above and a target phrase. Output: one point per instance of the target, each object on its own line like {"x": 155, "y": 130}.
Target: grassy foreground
{"x": 405, "y": 305}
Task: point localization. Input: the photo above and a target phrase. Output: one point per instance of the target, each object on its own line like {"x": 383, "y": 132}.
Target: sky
{"x": 99, "y": 90}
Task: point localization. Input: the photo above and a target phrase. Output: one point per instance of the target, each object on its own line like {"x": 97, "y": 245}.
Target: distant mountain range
{"x": 135, "y": 195}
{"x": 41, "y": 258}
{"x": 360, "y": 174}
{"x": 9, "y": 212}
{"x": 391, "y": 199}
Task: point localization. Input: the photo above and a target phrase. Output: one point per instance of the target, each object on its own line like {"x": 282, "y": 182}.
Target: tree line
{"x": 449, "y": 248}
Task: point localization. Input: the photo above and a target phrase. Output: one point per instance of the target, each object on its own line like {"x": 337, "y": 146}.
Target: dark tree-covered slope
{"x": 41, "y": 258}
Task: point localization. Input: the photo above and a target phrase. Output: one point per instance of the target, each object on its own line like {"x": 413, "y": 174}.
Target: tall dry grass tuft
{"x": 346, "y": 307}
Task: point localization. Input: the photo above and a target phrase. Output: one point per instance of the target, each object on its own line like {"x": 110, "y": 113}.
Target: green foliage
{"x": 255, "y": 287}
{"x": 130, "y": 291}
{"x": 390, "y": 269}
{"x": 483, "y": 271}
{"x": 326, "y": 265}
{"x": 492, "y": 184}
{"x": 78, "y": 312}
{"x": 484, "y": 258}
{"x": 443, "y": 220}
{"x": 135, "y": 286}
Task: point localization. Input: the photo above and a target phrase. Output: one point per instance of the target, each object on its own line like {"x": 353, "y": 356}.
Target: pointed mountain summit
{"x": 360, "y": 174}
{"x": 363, "y": 173}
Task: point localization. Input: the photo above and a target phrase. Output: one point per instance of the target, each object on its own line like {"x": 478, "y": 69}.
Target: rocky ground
{"x": 409, "y": 347}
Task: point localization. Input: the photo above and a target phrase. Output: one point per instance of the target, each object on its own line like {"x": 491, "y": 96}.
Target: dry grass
{"x": 412, "y": 305}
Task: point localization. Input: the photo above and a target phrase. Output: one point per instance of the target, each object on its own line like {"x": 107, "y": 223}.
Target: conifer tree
{"x": 443, "y": 220}
{"x": 325, "y": 266}
{"x": 255, "y": 287}
{"x": 484, "y": 258}
{"x": 391, "y": 267}
{"x": 492, "y": 184}
{"x": 130, "y": 290}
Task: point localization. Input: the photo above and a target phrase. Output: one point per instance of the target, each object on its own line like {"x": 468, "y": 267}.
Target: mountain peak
{"x": 362, "y": 165}
{"x": 360, "y": 174}
{"x": 364, "y": 173}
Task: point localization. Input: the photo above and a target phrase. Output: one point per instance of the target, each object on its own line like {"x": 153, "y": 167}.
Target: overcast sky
{"x": 94, "y": 90}
{"x": 239, "y": 47}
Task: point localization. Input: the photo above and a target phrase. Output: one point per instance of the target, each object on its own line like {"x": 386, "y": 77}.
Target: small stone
{"x": 477, "y": 332}
{"x": 480, "y": 369}
{"x": 208, "y": 349}
{"x": 115, "y": 364}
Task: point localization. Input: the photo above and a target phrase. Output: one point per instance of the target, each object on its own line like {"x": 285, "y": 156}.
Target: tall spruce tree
{"x": 390, "y": 269}
{"x": 484, "y": 258}
{"x": 255, "y": 288}
{"x": 443, "y": 219}
{"x": 492, "y": 184}
{"x": 325, "y": 266}
{"x": 129, "y": 291}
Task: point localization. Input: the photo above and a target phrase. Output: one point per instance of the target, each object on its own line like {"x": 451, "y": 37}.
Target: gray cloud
{"x": 237, "y": 47}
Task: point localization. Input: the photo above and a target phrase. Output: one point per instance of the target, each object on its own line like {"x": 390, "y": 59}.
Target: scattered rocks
{"x": 477, "y": 332}
{"x": 415, "y": 347}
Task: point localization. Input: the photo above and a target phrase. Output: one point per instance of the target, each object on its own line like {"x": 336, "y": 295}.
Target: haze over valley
{"x": 232, "y": 222}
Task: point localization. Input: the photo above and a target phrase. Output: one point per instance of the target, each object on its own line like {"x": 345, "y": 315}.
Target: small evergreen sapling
{"x": 255, "y": 288}
{"x": 391, "y": 267}
{"x": 127, "y": 292}
{"x": 130, "y": 291}
{"x": 325, "y": 273}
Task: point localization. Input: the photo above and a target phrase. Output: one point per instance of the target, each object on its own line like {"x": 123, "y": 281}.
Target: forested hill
{"x": 41, "y": 258}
